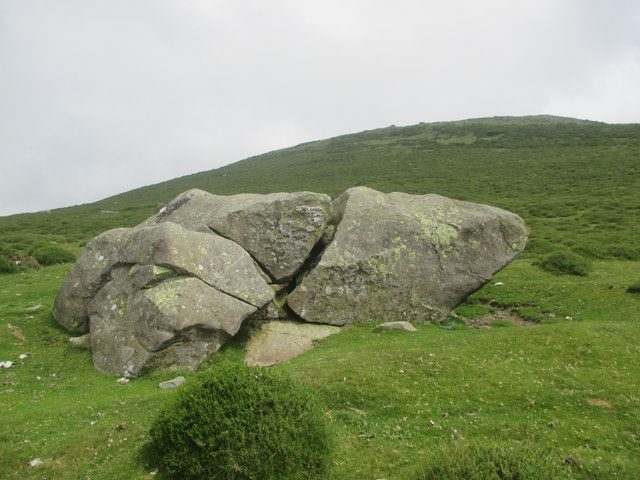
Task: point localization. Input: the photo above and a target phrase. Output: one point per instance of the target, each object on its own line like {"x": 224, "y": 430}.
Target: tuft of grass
{"x": 482, "y": 461}
{"x": 566, "y": 263}
{"x": 7, "y": 265}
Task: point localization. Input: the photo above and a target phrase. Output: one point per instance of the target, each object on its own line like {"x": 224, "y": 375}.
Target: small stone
{"x": 83, "y": 341}
{"x": 123, "y": 381}
{"x": 173, "y": 383}
{"x": 6, "y": 364}
{"x": 122, "y": 426}
{"x": 395, "y": 326}
{"x": 24, "y": 355}
{"x": 35, "y": 462}
{"x": 498, "y": 284}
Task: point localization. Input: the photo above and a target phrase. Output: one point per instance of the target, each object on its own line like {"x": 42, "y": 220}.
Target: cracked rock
{"x": 169, "y": 292}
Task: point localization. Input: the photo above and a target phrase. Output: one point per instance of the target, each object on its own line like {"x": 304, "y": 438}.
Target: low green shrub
{"x": 539, "y": 246}
{"x": 238, "y": 422}
{"x": 492, "y": 462}
{"x": 635, "y": 288}
{"x": 565, "y": 262}
{"x": 52, "y": 254}
{"x": 7, "y": 266}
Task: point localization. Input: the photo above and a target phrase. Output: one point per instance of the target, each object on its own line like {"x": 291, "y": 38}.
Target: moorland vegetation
{"x": 559, "y": 395}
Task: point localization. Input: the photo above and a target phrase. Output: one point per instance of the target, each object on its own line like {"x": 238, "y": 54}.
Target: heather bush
{"x": 565, "y": 262}
{"x": 238, "y": 422}
{"x": 51, "y": 254}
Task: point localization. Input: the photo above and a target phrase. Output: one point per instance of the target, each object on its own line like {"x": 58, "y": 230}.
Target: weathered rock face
{"x": 171, "y": 291}
{"x": 278, "y": 230}
{"x": 404, "y": 257}
{"x": 159, "y": 296}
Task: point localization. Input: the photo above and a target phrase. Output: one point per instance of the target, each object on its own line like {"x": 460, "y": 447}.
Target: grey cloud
{"x": 103, "y": 96}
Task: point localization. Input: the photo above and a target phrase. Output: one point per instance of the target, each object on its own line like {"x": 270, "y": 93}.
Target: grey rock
{"x": 279, "y": 230}
{"x": 170, "y": 292}
{"x": 280, "y": 341}
{"x": 177, "y": 323}
{"x": 173, "y": 383}
{"x": 83, "y": 341}
{"x": 152, "y": 254}
{"x": 395, "y": 326}
{"x": 159, "y": 297}
{"x": 404, "y": 256}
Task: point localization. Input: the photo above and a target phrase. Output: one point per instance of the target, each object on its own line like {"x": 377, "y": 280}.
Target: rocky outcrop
{"x": 171, "y": 291}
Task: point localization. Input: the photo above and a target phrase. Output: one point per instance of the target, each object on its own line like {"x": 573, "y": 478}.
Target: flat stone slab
{"x": 173, "y": 383}
{"x": 280, "y": 341}
{"x": 395, "y": 326}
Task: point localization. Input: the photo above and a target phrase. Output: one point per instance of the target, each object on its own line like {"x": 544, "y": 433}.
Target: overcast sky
{"x": 98, "y": 97}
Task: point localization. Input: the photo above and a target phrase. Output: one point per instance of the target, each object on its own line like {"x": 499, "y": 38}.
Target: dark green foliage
{"x": 237, "y": 422}
{"x": 51, "y": 254}
{"x": 565, "y": 262}
{"x": 635, "y": 288}
{"x": 492, "y": 462}
{"x": 7, "y": 266}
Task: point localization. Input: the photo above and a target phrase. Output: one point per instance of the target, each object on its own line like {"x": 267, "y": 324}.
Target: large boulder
{"x": 173, "y": 250}
{"x": 404, "y": 257}
{"x": 159, "y": 296}
{"x": 279, "y": 230}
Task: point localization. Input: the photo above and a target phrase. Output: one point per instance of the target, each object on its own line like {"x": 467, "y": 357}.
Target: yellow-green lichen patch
{"x": 438, "y": 232}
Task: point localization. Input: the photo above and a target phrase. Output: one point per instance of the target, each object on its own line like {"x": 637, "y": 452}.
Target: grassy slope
{"x": 575, "y": 184}
{"x": 569, "y": 385}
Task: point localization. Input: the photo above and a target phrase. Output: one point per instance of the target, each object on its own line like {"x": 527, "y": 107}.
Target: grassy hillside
{"x": 566, "y": 384}
{"x": 575, "y": 183}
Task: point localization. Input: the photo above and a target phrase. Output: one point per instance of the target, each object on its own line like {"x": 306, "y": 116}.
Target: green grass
{"x": 380, "y": 390}
{"x": 569, "y": 383}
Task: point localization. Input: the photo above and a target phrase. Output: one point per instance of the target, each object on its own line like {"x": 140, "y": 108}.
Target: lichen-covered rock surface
{"x": 278, "y": 230}
{"x": 405, "y": 257}
{"x": 172, "y": 290}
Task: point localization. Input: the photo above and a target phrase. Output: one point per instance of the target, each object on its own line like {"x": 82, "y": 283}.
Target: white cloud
{"x": 104, "y": 96}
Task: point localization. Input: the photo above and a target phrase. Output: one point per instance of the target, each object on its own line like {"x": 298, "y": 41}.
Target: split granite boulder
{"x": 169, "y": 292}
{"x": 404, "y": 257}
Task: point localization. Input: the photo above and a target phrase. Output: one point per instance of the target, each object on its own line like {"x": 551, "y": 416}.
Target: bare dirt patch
{"x": 505, "y": 315}
{"x": 598, "y": 402}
